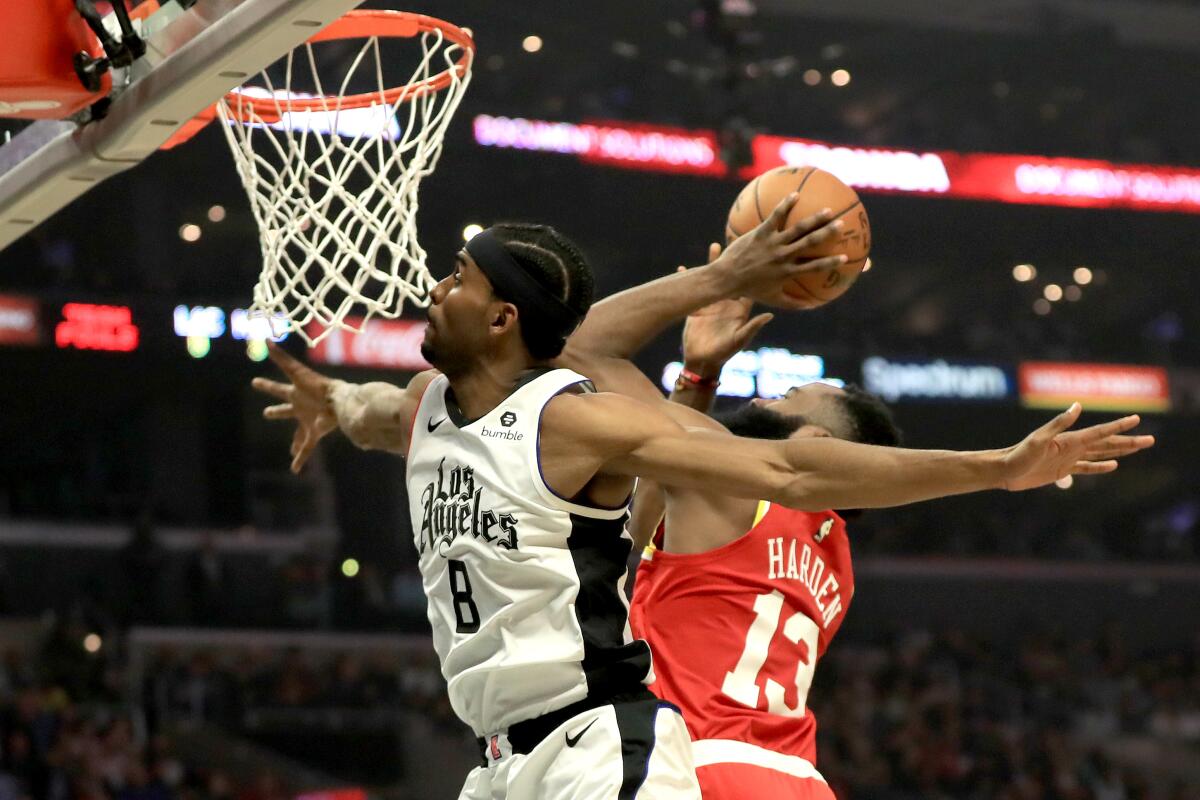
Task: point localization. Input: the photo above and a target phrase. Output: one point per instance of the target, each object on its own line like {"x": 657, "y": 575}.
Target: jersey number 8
{"x": 466, "y": 613}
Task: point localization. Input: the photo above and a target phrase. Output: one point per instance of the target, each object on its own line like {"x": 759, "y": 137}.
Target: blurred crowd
{"x": 55, "y": 748}
{"x": 71, "y": 733}
{"x": 919, "y": 716}
{"x": 948, "y": 716}
{"x": 226, "y": 685}
{"x": 1084, "y": 525}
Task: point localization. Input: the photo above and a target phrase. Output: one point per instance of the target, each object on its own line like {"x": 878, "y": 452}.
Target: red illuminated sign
{"x": 18, "y": 321}
{"x": 620, "y": 144}
{"x": 986, "y": 176}
{"x": 1076, "y": 182}
{"x": 1099, "y": 387}
{"x": 1032, "y": 180}
{"x": 383, "y": 343}
{"x": 351, "y": 793}
{"x": 868, "y": 168}
{"x": 91, "y": 327}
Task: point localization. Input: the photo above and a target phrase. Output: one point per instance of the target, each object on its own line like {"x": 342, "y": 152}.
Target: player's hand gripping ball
{"x": 817, "y": 189}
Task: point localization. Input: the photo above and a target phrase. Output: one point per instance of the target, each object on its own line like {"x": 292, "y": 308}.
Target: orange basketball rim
{"x": 353, "y": 25}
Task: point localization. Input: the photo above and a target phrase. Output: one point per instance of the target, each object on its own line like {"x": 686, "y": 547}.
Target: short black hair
{"x": 869, "y": 419}
{"x": 559, "y": 265}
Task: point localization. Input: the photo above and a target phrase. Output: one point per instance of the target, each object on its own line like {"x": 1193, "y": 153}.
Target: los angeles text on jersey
{"x": 810, "y": 570}
{"x": 452, "y": 508}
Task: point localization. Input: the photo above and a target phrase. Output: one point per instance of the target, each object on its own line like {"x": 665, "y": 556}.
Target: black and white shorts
{"x": 636, "y": 749}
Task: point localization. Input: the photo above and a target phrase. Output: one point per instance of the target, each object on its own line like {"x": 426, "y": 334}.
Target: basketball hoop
{"x": 332, "y": 176}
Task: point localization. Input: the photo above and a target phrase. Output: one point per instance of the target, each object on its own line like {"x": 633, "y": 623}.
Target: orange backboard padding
{"x": 37, "y": 75}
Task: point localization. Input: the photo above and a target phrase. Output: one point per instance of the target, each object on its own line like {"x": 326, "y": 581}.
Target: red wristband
{"x": 698, "y": 381}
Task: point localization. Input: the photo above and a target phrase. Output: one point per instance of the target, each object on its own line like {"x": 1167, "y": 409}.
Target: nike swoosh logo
{"x": 574, "y": 740}
{"x": 433, "y": 425}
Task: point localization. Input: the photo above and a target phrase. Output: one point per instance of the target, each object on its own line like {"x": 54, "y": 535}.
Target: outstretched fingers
{"x": 276, "y": 389}
{"x": 812, "y": 232}
{"x": 297, "y": 441}
{"x": 1118, "y": 446}
{"x": 1104, "y": 430}
{"x": 751, "y": 328}
{"x": 302, "y": 376}
{"x": 1093, "y": 467}
{"x": 302, "y": 445}
{"x": 777, "y": 220}
{"x": 810, "y": 224}
{"x": 281, "y": 411}
{"x": 1060, "y": 423}
{"x": 815, "y": 265}
{"x": 290, "y": 365}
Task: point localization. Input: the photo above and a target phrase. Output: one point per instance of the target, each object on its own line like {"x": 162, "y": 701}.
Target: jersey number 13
{"x": 742, "y": 683}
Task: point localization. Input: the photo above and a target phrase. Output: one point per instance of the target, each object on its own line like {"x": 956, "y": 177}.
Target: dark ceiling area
{"x": 1055, "y": 79}
{"x": 1059, "y": 86}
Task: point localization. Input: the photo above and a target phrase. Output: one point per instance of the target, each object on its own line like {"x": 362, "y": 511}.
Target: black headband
{"x": 512, "y": 282}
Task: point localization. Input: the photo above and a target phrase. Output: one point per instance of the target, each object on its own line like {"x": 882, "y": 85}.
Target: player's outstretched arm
{"x": 711, "y": 336}
{"x": 624, "y": 437}
{"x": 375, "y": 416}
{"x": 754, "y": 265}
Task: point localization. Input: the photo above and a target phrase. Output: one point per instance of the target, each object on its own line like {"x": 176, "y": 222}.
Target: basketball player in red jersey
{"x": 741, "y": 597}
{"x": 764, "y": 587}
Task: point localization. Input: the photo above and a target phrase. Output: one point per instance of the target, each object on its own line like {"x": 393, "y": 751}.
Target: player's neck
{"x": 698, "y": 522}
{"x": 486, "y": 384}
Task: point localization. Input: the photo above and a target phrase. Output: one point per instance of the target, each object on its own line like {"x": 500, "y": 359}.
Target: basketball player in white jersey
{"x": 519, "y": 477}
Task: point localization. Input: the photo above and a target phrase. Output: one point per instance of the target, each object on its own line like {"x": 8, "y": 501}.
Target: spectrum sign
{"x": 934, "y": 380}
{"x": 767, "y": 372}
{"x": 1099, "y": 387}
{"x": 1031, "y": 180}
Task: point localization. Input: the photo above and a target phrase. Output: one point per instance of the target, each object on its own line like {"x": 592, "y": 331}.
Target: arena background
{"x": 182, "y": 617}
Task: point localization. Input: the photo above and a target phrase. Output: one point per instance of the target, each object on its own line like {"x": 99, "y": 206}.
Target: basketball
{"x": 818, "y": 189}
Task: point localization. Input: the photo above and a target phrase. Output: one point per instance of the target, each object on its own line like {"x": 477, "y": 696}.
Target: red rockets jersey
{"x": 736, "y": 632}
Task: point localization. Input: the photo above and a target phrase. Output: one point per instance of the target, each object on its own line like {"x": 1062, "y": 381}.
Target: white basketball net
{"x": 334, "y": 191}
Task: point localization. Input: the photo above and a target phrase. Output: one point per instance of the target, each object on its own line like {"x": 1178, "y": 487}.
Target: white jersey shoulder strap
{"x": 544, "y": 389}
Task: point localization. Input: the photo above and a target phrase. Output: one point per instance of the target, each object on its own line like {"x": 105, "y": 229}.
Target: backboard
{"x": 193, "y": 57}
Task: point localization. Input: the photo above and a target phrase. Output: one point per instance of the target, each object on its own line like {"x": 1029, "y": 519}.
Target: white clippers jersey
{"x": 526, "y": 589}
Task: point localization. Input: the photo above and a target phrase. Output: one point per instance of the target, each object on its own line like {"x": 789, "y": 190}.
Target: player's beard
{"x": 756, "y": 422}
{"x": 429, "y": 353}
{"x": 438, "y": 349}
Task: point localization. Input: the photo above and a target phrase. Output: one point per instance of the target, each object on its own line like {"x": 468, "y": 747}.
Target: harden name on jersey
{"x": 808, "y": 568}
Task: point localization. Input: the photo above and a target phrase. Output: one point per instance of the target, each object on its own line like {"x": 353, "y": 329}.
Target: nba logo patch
{"x": 494, "y": 747}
